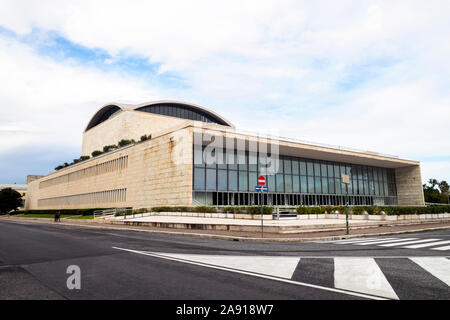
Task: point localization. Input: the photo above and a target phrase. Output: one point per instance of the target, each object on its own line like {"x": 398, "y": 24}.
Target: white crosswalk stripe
{"x": 383, "y": 241}
{"x": 425, "y": 245}
{"x": 406, "y": 243}
{"x": 437, "y": 266}
{"x": 442, "y": 248}
{"x": 361, "y": 275}
{"x": 365, "y": 277}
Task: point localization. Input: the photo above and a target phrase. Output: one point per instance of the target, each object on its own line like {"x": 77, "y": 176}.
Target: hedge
{"x": 389, "y": 210}
{"x": 208, "y": 209}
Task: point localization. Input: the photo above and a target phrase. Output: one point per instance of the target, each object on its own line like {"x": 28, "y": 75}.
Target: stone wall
{"x": 157, "y": 172}
{"x": 409, "y": 186}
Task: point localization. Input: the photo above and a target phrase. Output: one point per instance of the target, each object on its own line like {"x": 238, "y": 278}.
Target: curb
{"x": 233, "y": 238}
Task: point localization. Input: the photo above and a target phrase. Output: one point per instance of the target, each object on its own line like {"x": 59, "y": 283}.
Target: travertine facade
{"x": 160, "y": 171}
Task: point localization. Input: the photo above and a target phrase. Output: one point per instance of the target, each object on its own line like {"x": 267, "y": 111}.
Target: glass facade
{"x": 298, "y": 182}
{"x": 181, "y": 111}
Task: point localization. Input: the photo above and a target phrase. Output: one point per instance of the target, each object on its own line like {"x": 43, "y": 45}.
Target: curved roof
{"x": 164, "y": 107}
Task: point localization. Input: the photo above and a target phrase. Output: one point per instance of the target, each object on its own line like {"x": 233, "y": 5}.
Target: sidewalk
{"x": 308, "y": 235}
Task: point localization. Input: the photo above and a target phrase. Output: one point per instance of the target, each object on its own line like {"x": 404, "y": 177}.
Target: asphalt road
{"x": 120, "y": 264}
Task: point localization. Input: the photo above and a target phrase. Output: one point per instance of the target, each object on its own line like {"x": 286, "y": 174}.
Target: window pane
{"x": 318, "y": 185}
{"x": 270, "y": 180}
{"x": 280, "y": 183}
{"x": 350, "y": 188}
{"x": 295, "y": 169}
{"x": 232, "y": 180}
{"x": 316, "y": 169}
{"x": 310, "y": 184}
{"x": 337, "y": 185}
{"x": 199, "y": 179}
{"x": 210, "y": 179}
{"x": 288, "y": 183}
{"x": 337, "y": 171}
{"x": 360, "y": 187}
{"x": 243, "y": 181}
{"x": 331, "y": 185}
{"x": 222, "y": 179}
{"x": 287, "y": 166}
{"x": 252, "y": 180}
{"x": 296, "y": 184}
{"x": 330, "y": 171}
{"x": 310, "y": 168}
{"x": 324, "y": 185}
{"x": 323, "y": 170}
{"x": 302, "y": 168}
{"x": 198, "y": 156}
{"x": 304, "y": 184}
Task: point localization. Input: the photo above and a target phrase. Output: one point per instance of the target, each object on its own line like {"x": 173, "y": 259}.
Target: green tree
{"x": 10, "y": 199}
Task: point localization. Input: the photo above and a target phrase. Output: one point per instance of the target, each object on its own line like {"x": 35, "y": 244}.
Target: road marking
{"x": 163, "y": 256}
{"x": 438, "y": 267}
{"x": 407, "y": 242}
{"x": 350, "y": 240}
{"x": 368, "y": 241}
{"x": 424, "y": 245}
{"x": 442, "y": 248}
{"x": 384, "y": 241}
{"x": 277, "y": 266}
{"x": 362, "y": 275}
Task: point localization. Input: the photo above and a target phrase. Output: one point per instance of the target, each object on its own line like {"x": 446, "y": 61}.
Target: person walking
{"x": 58, "y": 216}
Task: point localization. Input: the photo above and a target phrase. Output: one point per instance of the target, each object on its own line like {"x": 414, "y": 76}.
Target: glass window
{"x": 310, "y": 184}
{"x": 222, "y": 180}
{"x": 304, "y": 184}
{"x": 198, "y": 156}
{"x": 324, "y": 185}
{"x": 310, "y": 166}
{"x": 288, "y": 183}
{"x": 337, "y": 185}
{"x": 342, "y": 171}
{"x": 317, "y": 169}
{"x": 365, "y": 174}
{"x": 331, "y": 185}
{"x": 199, "y": 179}
{"x": 221, "y": 158}
{"x": 371, "y": 187}
{"x": 287, "y": 166}
{"x": 386, "y": 191}
{"x": 232, "y": 159}
{"x": 375, "y": 174}
{"x": 323, "y": 170}
{"x": 343, "y": 188}
{"x": 280, "y": 165}
{"x": 280, "y": 183}
{"x": 350, "y": 188}
{"x": 295, "y": 169}
{"x": 360, "y": 187}
{"x": 377, "y": 189}
{"x": 302, "y": 168}
{"x": 337, "y": 171}
{"x": 252, "y": 180}
{"x": 243, "y": 181}
{"x": 232, "y": 180}
{"x": 330, "y": 171}
{"x": 242, "y": 160}
{"x": 253, "y": 161}
{"x": 296, "y": 184}
{"x": 370, "y": 171}
{"x": 318, "y": 184}
{"x": 210, "y": 179}
{"x": 270, "y": 180}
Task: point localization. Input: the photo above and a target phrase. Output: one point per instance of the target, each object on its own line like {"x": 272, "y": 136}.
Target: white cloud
{"x": 368, "y": 74}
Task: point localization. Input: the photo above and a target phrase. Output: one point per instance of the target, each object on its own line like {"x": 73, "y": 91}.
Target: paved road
{"x": 120, "y": 264}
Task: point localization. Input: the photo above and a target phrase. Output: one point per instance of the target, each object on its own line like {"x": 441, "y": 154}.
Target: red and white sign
{"x": 261, "y": 181}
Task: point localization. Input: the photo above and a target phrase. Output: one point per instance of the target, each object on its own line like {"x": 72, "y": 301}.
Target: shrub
{"x": 124, "y": 142}
{"x": 145, "y": 138}
{"x": 96, "y": 153}
{"x": 109, "y": 147}
{"x": 310, "y": 210}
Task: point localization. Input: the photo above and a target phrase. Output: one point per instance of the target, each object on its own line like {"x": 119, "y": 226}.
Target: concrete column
{"x": 409, "y": 186}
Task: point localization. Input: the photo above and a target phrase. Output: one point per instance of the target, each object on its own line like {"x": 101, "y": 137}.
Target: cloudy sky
{"x": 373, "y": 75}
